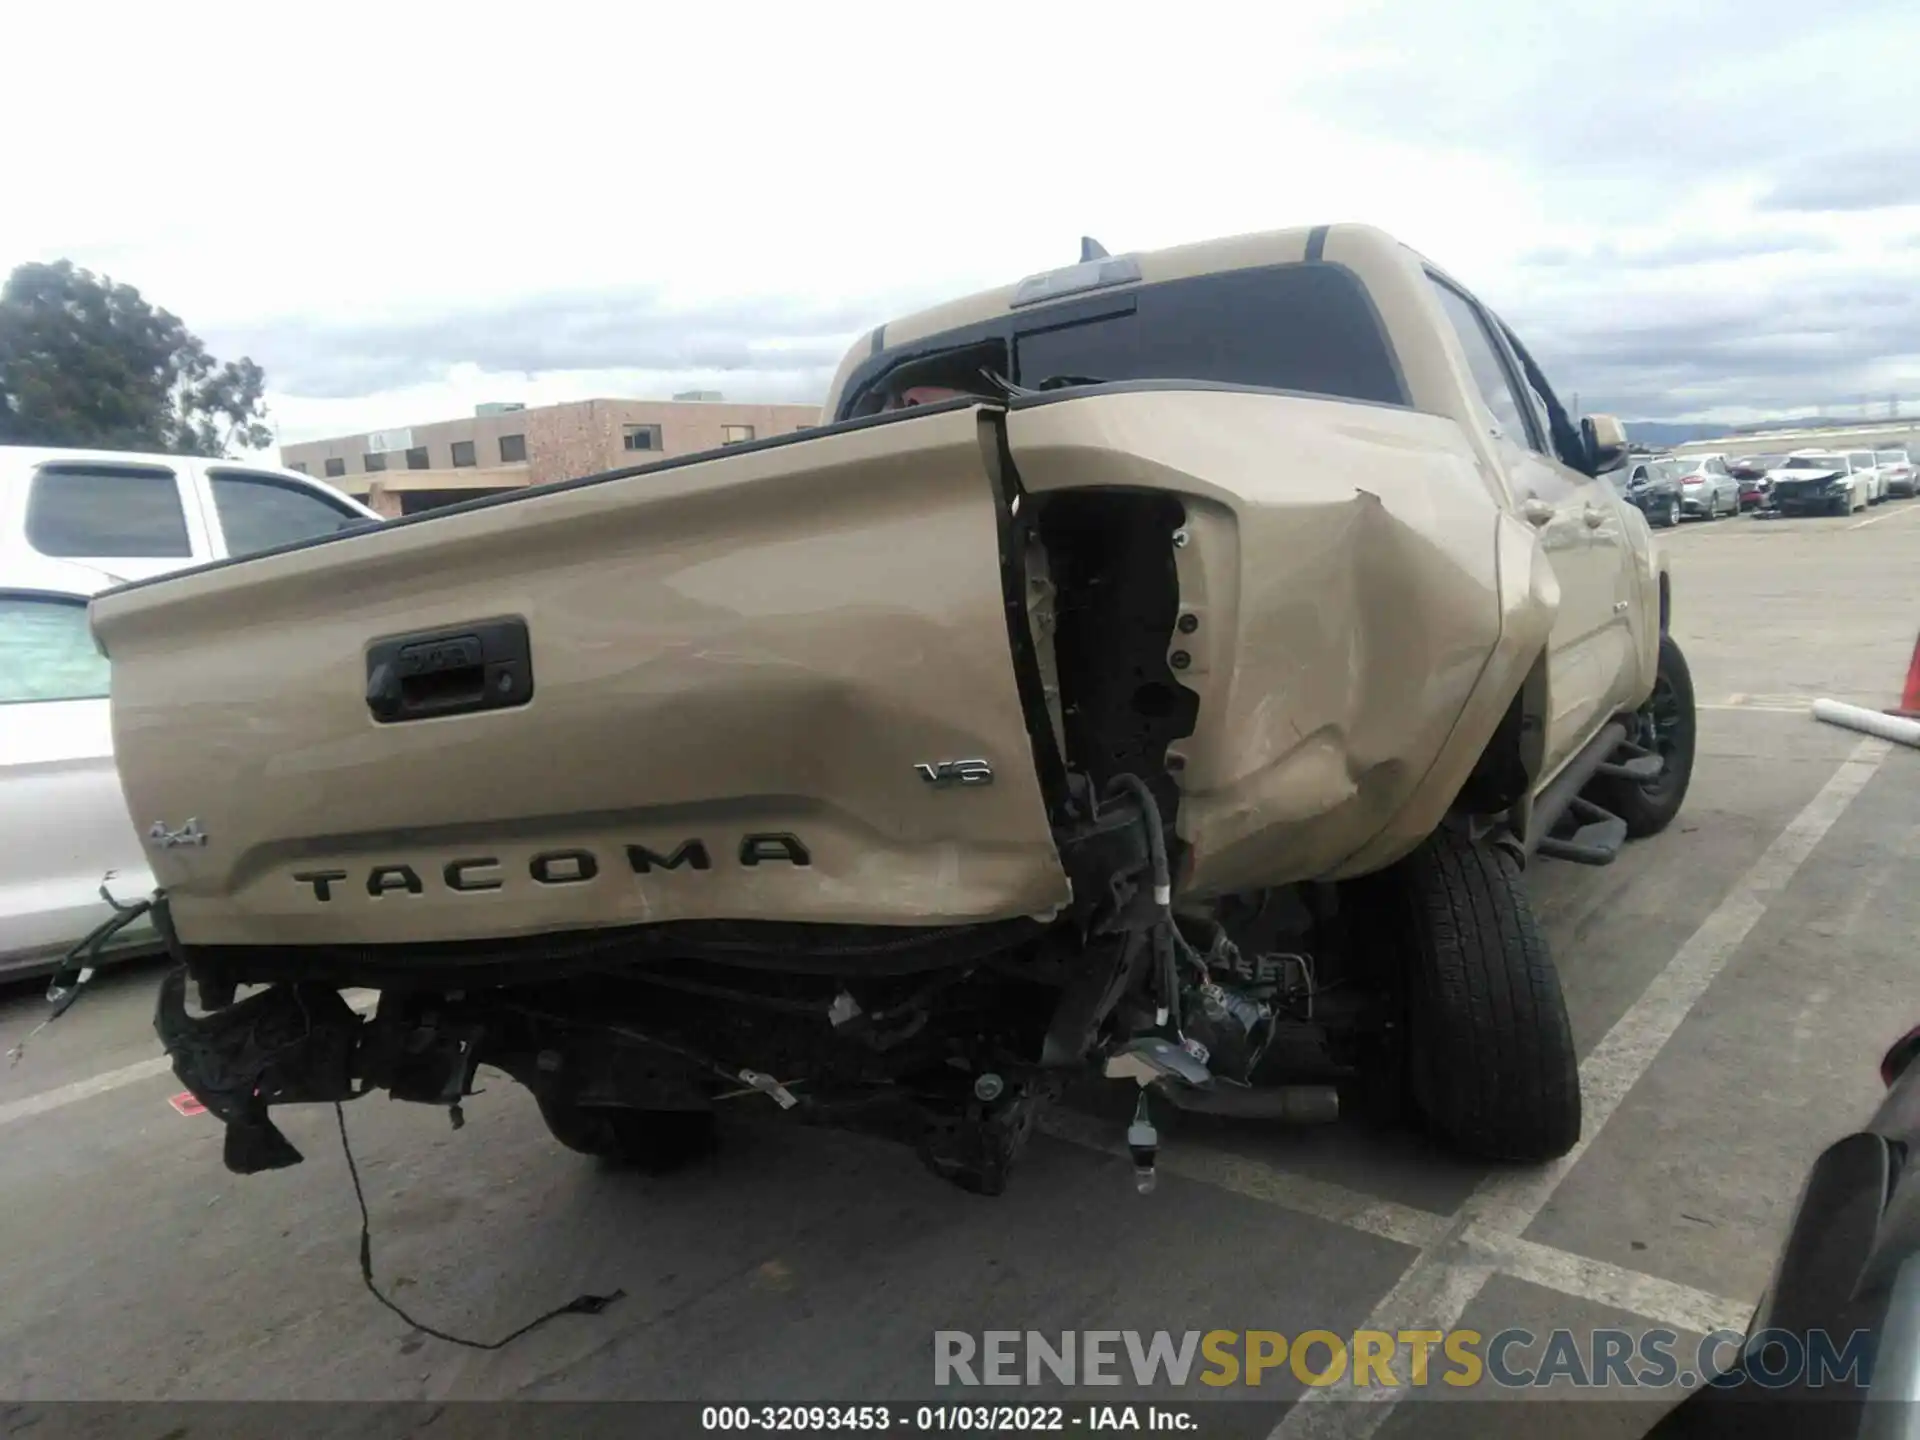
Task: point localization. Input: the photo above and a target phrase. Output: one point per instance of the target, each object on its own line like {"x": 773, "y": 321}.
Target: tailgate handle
{"x": 484, "y": 665}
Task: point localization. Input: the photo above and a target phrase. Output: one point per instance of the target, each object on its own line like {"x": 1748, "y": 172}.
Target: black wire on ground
{"x": 579, "y": 1305}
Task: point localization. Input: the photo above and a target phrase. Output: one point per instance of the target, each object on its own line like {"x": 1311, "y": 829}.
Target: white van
{"x": 135, "y": 515}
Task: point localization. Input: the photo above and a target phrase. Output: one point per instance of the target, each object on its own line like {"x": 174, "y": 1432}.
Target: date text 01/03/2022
{"x": 794, "y": 1419}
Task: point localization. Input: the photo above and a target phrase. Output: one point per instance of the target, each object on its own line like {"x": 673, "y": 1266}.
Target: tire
{"x": 1673, "y": 515}
{"x": 1669, "y": 725}
{"x": 653, "y": 1141}
{"x": 1490, "y": 1062}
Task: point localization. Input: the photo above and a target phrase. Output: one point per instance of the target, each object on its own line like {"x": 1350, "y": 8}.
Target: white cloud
{"x": 403, "y": 209}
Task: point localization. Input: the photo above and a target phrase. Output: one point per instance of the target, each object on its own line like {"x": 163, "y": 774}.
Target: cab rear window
{"x": 1290, "y": 327}
{"x": 1306, "y": 327}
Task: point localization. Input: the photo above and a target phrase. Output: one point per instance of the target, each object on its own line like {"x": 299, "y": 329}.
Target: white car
{"x": 63, "y": 820}
{"x": 1896, "y": 469}
{"x": 137, "y": 515}
{"x": 72, "y": 523}
{"x": 1868, "y": 463}
{"x": 1820, "y": 482}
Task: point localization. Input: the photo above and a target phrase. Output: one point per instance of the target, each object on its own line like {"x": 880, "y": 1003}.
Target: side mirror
{"x": 1606, "y": 441}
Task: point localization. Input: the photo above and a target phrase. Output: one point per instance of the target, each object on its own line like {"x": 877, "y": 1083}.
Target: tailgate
{"x": 726, "y": 688}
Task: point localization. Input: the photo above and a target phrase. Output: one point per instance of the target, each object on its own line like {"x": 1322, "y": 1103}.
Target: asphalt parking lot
{"x": 1733, "y": 983}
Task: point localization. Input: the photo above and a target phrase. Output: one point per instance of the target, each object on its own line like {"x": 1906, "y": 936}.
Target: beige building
{"x": 506, "y": 447}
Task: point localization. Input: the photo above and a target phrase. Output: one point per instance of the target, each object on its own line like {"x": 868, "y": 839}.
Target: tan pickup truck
{"x": 1164, "y": 667}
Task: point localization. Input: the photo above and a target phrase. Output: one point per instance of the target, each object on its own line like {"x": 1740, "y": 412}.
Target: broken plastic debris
{"x": 767, "y": 1085}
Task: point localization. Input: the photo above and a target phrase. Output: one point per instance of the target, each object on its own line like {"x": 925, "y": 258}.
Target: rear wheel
{"x": 1673, "y": 514}
{"x": 1490, "y": 1062}
{"x": 1666, "y": 726}
{"x": 655, "y": 1141}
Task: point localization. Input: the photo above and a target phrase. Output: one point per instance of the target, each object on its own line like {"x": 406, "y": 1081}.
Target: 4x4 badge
{"x": 188, "y": 834}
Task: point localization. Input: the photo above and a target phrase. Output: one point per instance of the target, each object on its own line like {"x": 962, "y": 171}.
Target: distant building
{"x": 508, "y": 447}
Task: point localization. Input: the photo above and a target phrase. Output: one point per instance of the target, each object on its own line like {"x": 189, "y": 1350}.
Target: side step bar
{"x": 1596, "y": 842}
{"x": 1597, "y": 833}
{"x": 1558, "y": 798}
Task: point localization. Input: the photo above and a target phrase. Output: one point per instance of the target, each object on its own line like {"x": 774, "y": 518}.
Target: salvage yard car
{"x": 1707, "y": 487}
{"x": 63, "y": 821}
{"x": 72, "y": 523}
{"x": 1811, "y": 482}
{"x": 1165, "y": 667}
{"x": 1896, "y": 471}
{"x": 139, "y": 515}
{"x": 1653, "y": 488}
{"x": 1752, "y": 471}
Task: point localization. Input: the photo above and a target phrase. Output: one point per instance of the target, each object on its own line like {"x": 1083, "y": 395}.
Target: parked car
{"x": 1832, "y": 1351}
{"x": 1707, "y": 488}
{"x": 1653, "y": 488}
{"x": 1896, "y": 470}
{"x": 72, "y": 523}
{"x": 1023, "y": 721}
{"x": 63, "y": 819}
{"x": 1824, "y": 482}
{"x": 138, "y": 515}
{"x": 1752, "y": 471}
{"x": 1865, "y": 462}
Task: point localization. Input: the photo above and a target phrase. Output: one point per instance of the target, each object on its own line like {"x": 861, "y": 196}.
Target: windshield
{"x": 1815, "y": 462}
{"x": 1893, "y": 457}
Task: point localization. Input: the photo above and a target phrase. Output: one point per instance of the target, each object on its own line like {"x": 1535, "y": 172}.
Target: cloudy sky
{"x": 1708, "y": 209}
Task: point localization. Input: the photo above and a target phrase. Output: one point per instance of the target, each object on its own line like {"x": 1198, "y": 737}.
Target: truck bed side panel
{"x": 1341, "y": 565}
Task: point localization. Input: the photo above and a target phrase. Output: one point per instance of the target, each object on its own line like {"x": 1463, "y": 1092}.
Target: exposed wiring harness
{"x": 1169, "y": 945}
{"x": 78, "y": 964}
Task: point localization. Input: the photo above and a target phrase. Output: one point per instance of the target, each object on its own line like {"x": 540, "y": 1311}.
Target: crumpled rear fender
{"x": 1362, "y": 611}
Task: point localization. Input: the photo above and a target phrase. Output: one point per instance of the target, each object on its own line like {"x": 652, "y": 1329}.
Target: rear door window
{"x": 83, "y": 511}
{"x": 1309, "y": 328}
{"x": 1490, "y": 375}
{"x": 47, "y": 652}
{"x": 257, "y": 512}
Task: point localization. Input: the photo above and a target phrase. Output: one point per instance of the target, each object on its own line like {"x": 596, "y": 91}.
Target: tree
{"x": 85, "y": 361}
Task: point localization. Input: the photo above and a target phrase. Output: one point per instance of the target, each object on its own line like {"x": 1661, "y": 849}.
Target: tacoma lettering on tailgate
{"x": 474, "y": 874}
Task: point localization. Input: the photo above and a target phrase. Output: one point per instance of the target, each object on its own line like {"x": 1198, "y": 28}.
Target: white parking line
{"x": 1438, "y": 1286}
{"x": 93, "y": 1085}
{"x": 1886, "y": 515}
{"x": 1663, "y": 1301}
{"x": 1321, "y": 1199}
{"x": 361, "y": 1001}
{"x": 1650, "y": 1296}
